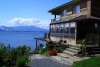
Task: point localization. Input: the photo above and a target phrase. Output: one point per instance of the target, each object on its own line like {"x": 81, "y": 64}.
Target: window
{"x": 66, "y": 30}
{"x": 76, "y": 9}
{"x": 64, "y": 13}
{"x": 72, "y": 30}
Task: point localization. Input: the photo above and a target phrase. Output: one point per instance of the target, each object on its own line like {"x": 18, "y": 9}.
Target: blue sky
{"x": 27, "y": 12}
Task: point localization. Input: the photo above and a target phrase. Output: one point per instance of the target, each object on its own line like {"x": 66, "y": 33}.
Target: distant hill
{"x": 4, "y": 28}
{"x": 21, "y": 28}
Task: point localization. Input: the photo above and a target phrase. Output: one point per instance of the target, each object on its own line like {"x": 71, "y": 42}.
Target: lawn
{"x": 92, "y": 62}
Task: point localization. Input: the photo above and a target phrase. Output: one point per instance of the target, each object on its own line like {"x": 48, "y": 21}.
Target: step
{"x": 72, "y": 50}
{"x": 72, "y": 59}
{"x": 70, "y": 53}
{"x": 75, "y": 48}
{"x": 56, "y": 58}
{"x": 74, "y": 45}
{"x": 63, "y": 55}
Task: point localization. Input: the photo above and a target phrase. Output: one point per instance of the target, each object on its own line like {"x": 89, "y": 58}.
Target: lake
{"x": 16, "y": 39}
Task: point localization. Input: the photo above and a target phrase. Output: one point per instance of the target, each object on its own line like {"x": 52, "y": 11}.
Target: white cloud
{"x": 29, "y": 22}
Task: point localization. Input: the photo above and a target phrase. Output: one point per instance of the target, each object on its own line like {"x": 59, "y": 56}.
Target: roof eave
{"x": 53, "y": 11}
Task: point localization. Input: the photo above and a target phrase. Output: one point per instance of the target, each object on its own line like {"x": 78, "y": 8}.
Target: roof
{"x": 58, "y": 9}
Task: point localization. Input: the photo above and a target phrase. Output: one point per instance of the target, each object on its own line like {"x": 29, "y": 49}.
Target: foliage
{"x": 46, "y": 53}
{"x": 22, "y": 61}
{"x": 35, "y": 52}
{"x": 92, "y": 62}
{"x": 50, "y": 47}
{"x": 42, "y": 50}
{"x": 83, "y": 46}
{"x": 59, "y": 49}
{"x": 9, "y": 57}
{"x": 2, "y": 51}
{"x": 41, "y": 45}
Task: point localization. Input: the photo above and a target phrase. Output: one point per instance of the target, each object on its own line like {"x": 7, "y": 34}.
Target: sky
{"x": 27, "y": 12}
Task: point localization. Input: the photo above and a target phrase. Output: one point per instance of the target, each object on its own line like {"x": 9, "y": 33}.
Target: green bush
{"x": 50, "y": 46}
{"x": 46, "y": 53}
{"x": 42, "y": 50}
{"x": 59, "y": 49}
{"x": 35, "y": 52}
{"x": 21, "y": 62}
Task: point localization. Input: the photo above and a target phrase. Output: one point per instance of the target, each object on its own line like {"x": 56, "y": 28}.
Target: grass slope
{"x": 92, "y": 62}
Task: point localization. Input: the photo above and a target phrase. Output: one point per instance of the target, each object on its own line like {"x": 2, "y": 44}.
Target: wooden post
{"x": 36, "y": 44}
{"x": 89, "y": 8}
{"x": 64, "y": 31}
{"x": 55, "y": 17}
{"x": 60, "y": 30}
{"x": 75, "y": 31}
{"x": 69, "y": 29}
{"x": 50, "y": 29}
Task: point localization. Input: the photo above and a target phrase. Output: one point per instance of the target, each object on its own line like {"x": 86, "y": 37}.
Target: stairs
{"x": 93, "y": 50}
{"x": 68, "y": 55}
{"x": 69, "y": 52}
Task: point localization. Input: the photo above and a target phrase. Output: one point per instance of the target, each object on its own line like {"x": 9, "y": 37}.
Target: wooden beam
{"x": 89, "y": 8}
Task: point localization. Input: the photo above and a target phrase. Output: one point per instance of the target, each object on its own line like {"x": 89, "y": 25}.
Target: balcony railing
{"x": 67, "y": 18}
{"x": 65, "y": 35}
{"x": 55, "y": 20}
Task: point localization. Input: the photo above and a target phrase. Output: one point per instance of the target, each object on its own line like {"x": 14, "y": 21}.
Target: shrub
{"x": 42, "y": 50}
{"x": 50, "y": 46}
{"x": 21, "y": 62}
{"x": 46, "y": 53}
{"x": 59, "y": 49}
{"x": 35, "y": 52}
{"x": 52, "y": 53}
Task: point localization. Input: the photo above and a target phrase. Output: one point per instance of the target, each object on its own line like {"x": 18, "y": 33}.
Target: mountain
{"x": 4, "y": 28}
{"x": 21, "y": 28}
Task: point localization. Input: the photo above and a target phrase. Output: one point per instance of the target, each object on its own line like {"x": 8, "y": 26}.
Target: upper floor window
{"x": 64, "y": 13}
{"x": 76, "y": 9}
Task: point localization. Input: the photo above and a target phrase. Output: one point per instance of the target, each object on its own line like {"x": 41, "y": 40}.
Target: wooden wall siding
{"x": 95, "y": 8}
{"x": 67, "y": 18}
{"x": 72, "y": 16}
{"x": 83, "y": 7}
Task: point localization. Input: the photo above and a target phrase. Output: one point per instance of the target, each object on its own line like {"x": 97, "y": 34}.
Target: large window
{"x": 57, "y": 28}
{"x": 76, "y": 9}
{"x": 72, "y": 30}
{"x": 54, "y": 30}
{"x": 66, "y": 30}
{"x": 64, "y": 13}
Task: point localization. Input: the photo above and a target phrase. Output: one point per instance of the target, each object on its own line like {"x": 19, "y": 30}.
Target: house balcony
{"x": 70, "y": 17}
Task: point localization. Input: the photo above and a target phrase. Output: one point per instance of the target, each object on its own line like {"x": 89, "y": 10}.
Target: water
{"x": 16, "y": 39}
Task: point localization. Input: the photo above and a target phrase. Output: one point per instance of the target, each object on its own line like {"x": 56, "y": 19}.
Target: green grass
{"x": 92, "y": 62}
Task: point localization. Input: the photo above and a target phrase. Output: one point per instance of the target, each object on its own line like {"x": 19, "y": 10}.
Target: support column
{"x": 36, "y": 44}
{"x": 69, "y": 29}
{"x": 64, "y": 31}
{"x": 75, "y": 31}
{"x": 89, "y": 8}
{"x": 60, "y": 30}
{"x": 50, "y": 31}
{"x": 55, "y": 17}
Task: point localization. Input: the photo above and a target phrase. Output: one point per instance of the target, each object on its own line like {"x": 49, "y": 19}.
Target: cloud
{"x": 29, "y": 22}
